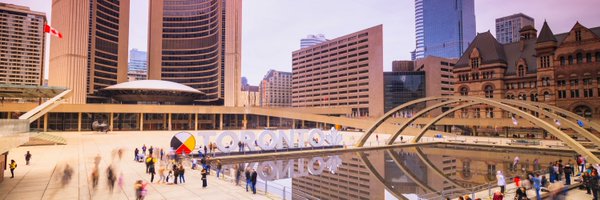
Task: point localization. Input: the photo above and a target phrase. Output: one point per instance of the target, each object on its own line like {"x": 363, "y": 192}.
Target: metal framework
{"x": 506, "y": 105}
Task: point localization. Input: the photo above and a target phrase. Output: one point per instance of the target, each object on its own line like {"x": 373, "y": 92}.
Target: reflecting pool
{"x": 428, "y": 172}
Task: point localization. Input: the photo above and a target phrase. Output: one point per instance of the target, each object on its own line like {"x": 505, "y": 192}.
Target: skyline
{"x": 263, "y": 50}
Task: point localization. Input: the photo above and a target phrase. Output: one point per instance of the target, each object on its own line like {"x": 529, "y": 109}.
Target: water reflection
{"x": 432, "y": 171}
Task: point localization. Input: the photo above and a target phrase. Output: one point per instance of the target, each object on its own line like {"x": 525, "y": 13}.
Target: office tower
{"x": 138, "y": 65}
{"x": 402, "y": 86}
{"x": 21, "y": 45}
{"x": 93, "y": 51}
{"x": 438, "y": 75}
{"x": 276, "y": 89}
{"x": 343, "y": 72}
{"x": 444, "y": 28}
{"x": 249, "y": 96}
{"x": 197, "y": 43}
{"x": 311, "y": 40}
{"x": 507, "y": 28}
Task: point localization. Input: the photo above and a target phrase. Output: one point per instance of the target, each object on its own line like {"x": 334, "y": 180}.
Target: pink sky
{"x": 272, "y": 29}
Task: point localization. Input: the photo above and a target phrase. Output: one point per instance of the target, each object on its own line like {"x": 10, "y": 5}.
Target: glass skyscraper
{"x": 402, "y": 87}
{"x": 138, "y": 60}
{"x": 444, "y": 28}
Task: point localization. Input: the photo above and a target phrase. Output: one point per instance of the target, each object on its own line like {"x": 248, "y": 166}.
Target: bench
{"x": 458, "y": 140}
{"x": 524, "y": 142}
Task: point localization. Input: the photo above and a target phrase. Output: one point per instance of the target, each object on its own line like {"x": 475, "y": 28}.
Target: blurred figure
{"x": 66, "y": 176}
{"x": 95, "y": 177}
{"x": 140, "y": 189}
{"x": 97, "y": 160}
{"x": 501, "y": 181}
{"x": 557, "y": 191}
{"x": 253, "y": 178}
{"x": 27, "y": 158}
{"x": 521, "y": 194}
{"x": 498, "y": 195}
{"x": 204, "y": 181}
{"x": 161, "y": 174}
{"x": 110, "y": 175}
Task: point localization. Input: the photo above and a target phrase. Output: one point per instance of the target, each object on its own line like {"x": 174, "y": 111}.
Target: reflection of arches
{"x": 583, "y": 110}
{"x": 493, "y": 103}
{"x": 466, "y": 169}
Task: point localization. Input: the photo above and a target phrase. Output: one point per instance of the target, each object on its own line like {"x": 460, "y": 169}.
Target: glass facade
{"x": 402, "y": 87}
{"x": 444, "y": 28}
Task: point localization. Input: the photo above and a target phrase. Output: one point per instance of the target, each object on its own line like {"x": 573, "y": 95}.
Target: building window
{"x": 597, "y": 56}
{"x": 570, "y": 60}
{"x": 587, "y": 81}
{"x": 477, "y": 113}
{"x": 545, "y": 61}
{"x": 561, "y": 83}
{"x": 579, "y": 58}
{"x": 489, "y": 91}
{"x": 574, "y": 82}
{"x": 522, "y": 70}
{"x": 475, "y": 62}
{"x": 545, "y": 81}
{"x": 588, "y": 57}
{"x": 588, "y": 93}
{"x": 562, "y": 61}
{"x": 489, "y": 112}
{"x": 574, "y": 93}
{"x": 464, "y": 91}
{"x": 562, "y": 94}
{"x": 578, "y": 36}
{"x": 583, "y": 111}
{"x": 533, "y": 97}
{"x": 546, "y": 96}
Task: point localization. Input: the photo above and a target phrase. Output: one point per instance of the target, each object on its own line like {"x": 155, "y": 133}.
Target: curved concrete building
{"x": 197, "y": 43}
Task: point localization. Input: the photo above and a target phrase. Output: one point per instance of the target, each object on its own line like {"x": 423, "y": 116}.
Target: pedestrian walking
{"x": 537, "y": 186}
{"x": 151, "y": 171}
{"x": 151, "y": 150}
{"x": 27, "y": 158}
{"x": 181, "y": 174}
{"x": 144, "y": 149}
{"x": 219, "y": 167}
{"x": 501, "y": 181}
{"x": 161, "y": 174}
{"x": 205, "y": 149}
{"x": 95, "y": 177}
{"x": 140, "y": 189}
{"x": 568, "y": 170}
{"x": 204, "y": 181}
{"x": 135, "y": 154}
{"x": 175, "y": 173}
{"x": 594, "y": 183}
{"x": 67, "y": 174}
{"x": 13, "y": 166}
{"x": 521, "y": 193}
{"x": 253, "y": 177}
{"x": 248, "y": 179}
{"x": 110, "y": 175}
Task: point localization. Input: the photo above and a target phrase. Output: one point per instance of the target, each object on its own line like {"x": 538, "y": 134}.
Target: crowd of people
{"x": 171, "y": 168}
{"x": 561, "y": 175}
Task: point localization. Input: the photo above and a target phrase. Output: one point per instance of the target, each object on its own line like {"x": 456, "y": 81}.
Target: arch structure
{"x": 520, "y": 109}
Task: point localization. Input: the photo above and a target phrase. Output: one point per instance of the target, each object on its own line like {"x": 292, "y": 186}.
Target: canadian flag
{"x": 52, "y": 31}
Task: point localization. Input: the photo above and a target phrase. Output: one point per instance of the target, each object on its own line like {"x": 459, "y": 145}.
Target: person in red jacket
{"x": 517, "y": 181}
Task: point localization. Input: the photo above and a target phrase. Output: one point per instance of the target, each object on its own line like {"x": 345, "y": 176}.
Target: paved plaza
{"x": 41, "y": 179}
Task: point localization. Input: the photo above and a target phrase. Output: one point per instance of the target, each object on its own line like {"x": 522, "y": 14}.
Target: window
{"x": 574, "y": 93}
{"x": 588, "y": 93}
{"x": 545, "y": 81}
{"x": 562, "y": 61}
{"x": 521, "y": 70}
{"x": 546, "y": 96}
{"x": 597, "y": 56}
{"x": 561, "y": 83}
{"x": 533, "y": 97}
{"x": 489, "y": 112}
{"x": 578, "y": 36}
{"x": 570, "y": 60}
{"x": 574, "y": 82}
{"x": 477, "y": 113}
{"x": 583, "y": 111}
{"x": 587, "y": 81}
{"x": 464, "y": 91}
{"x": 475, "y": 62}
{"x": 545, "y": 61}
{"x": 588, "y": 57}
{"x": 562, "y": 94}
{"x": 489, "y": 91}
{"x": 579, "y": 58}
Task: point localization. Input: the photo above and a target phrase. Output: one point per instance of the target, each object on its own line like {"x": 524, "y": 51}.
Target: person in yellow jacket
{"x": 13, "y": 166}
